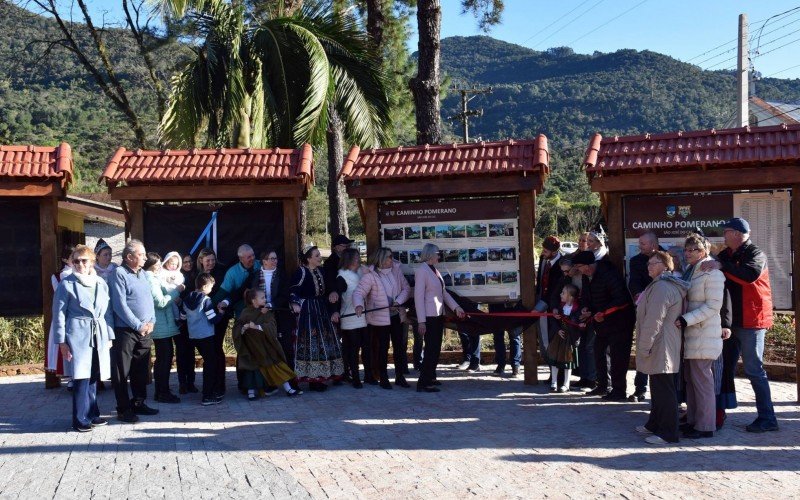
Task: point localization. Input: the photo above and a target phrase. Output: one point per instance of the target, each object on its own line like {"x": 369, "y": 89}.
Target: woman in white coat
{"x": 82, "y": 328}
{"x": 703, "y": 336}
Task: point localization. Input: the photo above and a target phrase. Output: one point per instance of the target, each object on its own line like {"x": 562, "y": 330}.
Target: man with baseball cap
{"x": 747, "y": 280}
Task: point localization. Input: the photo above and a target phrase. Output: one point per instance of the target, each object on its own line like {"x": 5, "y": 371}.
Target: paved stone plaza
{"x": 480, "y": 437}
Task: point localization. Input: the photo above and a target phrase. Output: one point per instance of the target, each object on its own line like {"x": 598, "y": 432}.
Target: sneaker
{"x": 294, "y": 392}
{"x": 474, "y": 368}
{"x": 143, "y": 409}
{"x": 210, "y": 401}
{"x": 82, "y": 427}
{"x": 128, "y": 416}
{"x": 758, "y": 426}
{"x": 463, "y": 366}
{"x": 643, "y": 430}
{"x": 553, "y": 388}
{"x": 563, "y": 388}
{"x": 99, "y": 422}
{"x": 655, "y": 440}
{"x": 167, "y": 398}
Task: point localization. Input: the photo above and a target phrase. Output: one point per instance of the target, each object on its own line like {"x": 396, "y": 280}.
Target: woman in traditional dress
{"x": 318, "y": 354}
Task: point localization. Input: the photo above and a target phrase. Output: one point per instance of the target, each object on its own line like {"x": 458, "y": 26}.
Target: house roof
{"x": 478, "y": 158}
{"x": 209, "y": 166}
{"x": 40, "y": 163}
{"x": 702, "y": 149}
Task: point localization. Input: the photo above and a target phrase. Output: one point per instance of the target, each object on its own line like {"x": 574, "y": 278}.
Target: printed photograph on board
{"x": 493, "y": 278}
{"x": 448, "y": 279}
{"x": 501, "y": 229}
{"x": 462, "y": 279}
{"x": 415, "y": 256}
{"x": 509, "y": 277}
{"x": 443, "y": 231}
{"x": 428, "y": 232}
{"x": 478, "y": 279}
{"x": 458, "y": 231}
{"x": 476, "y": 231}
{"x": 393, "y": 234}
{"x": 478, "y": 254}
{"x": 401, "y": 256}
{"x": 413, "y": 233}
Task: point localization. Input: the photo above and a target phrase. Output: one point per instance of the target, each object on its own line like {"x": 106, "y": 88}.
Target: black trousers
{"x": 392, "y": 332}
{"x": 354, "y": 342}
{"x": 619, "y": 347}
{"x": 663, "y": 419}
{"x": 219, "y": 359}
{"x": 207, "y": 348}
{"x": 130, "y": 358}
{"x": 434, "y": 330}
{"x": 417, "y": 349}
{"x": 163, "y": 364}
{"x": 184, "y": 356}
{"x": 84, "y": 395}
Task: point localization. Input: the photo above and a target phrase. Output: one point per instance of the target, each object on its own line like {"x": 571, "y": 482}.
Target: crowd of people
{"x": 693, "y": 320}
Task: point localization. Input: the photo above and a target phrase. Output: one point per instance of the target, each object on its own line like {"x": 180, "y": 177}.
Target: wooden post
{"x": 796, "y": 278}
{"x": 616, "y": 230}
{"x": 48, "y": 230}
{"x": 136, "y": 209}
{"x": 291, "y": 235}
{"x": 527, "y": 280}
{"x": 371, "y": 225}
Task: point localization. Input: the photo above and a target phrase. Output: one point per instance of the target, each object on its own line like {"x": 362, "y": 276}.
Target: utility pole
{"x": 742, "y": 74}
{"x": 466, "y": 96}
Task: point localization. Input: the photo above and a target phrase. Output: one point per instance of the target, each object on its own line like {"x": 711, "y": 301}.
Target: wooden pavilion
{"x": 491, "y": 172}
{"x": 142, "y": 178}
{"x": 32, "y": 180}
{"x": 733, "y": 160}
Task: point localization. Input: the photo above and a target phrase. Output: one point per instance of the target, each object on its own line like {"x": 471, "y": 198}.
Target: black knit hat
{"x": 584, "y": 257}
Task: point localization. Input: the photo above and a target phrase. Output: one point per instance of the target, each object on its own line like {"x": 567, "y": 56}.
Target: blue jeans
{"x": 471, "y": 346}
{"x": 751, "y": 345}
{"x": 514, "y": 343}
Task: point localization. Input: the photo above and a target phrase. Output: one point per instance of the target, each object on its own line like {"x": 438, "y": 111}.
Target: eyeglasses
{"x": 654, "y": 263}
{"x": 271, "y": 258}
{"x": 685, "y": 250}
{"x": 80, "y": 261}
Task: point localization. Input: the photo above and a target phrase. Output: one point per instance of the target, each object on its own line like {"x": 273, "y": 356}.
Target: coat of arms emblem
{"x": 685, "y": 210}
{"x": 670, "y": 211}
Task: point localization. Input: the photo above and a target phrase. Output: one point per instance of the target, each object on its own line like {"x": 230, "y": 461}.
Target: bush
{"x": 21, "y": 340}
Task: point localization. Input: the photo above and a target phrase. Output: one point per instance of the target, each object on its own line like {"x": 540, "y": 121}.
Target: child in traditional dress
{"x": 172, "y": 278}
{"x": 565, "y": 331}
{"x": 261, "y": 357}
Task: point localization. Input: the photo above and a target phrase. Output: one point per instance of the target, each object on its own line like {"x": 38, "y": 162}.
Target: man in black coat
{"x": 548, "y": 276}
{"x": 638, "y": 279}
{"x": 611, "y": 310}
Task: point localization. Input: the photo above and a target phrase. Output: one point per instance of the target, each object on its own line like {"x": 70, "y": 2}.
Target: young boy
{"x": 200, "y": 316}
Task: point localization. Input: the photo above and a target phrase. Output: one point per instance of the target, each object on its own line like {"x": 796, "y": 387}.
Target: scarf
{"x": 87, "y": 280}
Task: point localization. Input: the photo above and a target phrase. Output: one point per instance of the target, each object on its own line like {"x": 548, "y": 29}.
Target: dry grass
{"x": 21, "y": 340}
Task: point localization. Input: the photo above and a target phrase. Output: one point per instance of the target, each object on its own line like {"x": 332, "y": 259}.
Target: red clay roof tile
{"x": 447, "y": 160}
{"x": 213, "y": 166}
{"x": 762, "y": 146}
{"x": 37, "y": 162}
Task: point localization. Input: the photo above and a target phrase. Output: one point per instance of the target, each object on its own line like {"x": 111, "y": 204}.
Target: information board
{"x": 478, "y": 242}
{"x": 672, "y": 217}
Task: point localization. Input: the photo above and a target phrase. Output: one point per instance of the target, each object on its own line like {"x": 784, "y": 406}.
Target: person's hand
{"x": 296, "y": 308}
{"x": 726, "y": 333}
{"x": 556, "y": 315}
{"x": 582, "y": 325}
{"x": 677, "y": 323}
{"x": 335, "y": 317}
{"x": 599, "y": 317}
{"x": 562, "y": 334}
{"x": 221, "y": 307}
{"x": 460, "y": 313}
{"x": 150, "y": 327}
{"x": 265, "y": 310}
{"x": 359, "y": 310}
{"x": 65, "y": 352}
{"x": 421, "y": 329}
{"x": 710, "y": 265}
{"x": 585, "y": 314}
{"x": 143, "y": 330}
{"x": 181, "y": 287}
{"x": 333, "y": 297}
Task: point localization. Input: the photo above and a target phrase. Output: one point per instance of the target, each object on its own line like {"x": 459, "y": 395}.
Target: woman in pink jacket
{"x": 383, "y": 287}
{"x": 430, "y": 297}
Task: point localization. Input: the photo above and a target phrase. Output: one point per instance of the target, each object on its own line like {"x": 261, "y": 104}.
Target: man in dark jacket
{"x": 638, "y": 279}
{"x": 548, "y": 276}
{"x": 747, "y": 279}
{"x": 611, "y": 310}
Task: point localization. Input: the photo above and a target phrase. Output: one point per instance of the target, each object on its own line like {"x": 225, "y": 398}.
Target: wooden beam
{"x": 32, "y": 189}
{"x": 291, "y": 235}
{"x": 428, "y": 188}
{"x": 616, "y": 234}
{"x": 709, "y": 180}
{"x": 371, "y": 225}
{"x": 796, "y": 278}
{"x": 208, "y": 193}
{"x": 527, "y": 283}
{"x": 136, "y": 211}
{"x": 48, "y": 231}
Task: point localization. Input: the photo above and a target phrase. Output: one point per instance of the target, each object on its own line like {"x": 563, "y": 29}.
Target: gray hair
{"x": 130, "y": 248}
{"x": 244, "y": 250}
{"x": 653, "y": 237}
{"x": 379, "y": 256}
{"x": 428, "y": 252}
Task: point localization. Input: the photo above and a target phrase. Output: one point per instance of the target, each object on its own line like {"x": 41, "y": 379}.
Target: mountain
{"x": 569, "y": 96}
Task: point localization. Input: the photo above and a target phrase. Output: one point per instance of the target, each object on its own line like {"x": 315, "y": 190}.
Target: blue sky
{"x": 679, "y": 28}
{"x": 682, "y": 29}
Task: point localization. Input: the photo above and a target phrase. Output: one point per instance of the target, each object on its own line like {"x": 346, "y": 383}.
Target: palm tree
{"x": 272, "y": 82}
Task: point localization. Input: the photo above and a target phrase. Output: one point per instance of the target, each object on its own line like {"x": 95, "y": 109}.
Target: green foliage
{"x": 21, "y": 340}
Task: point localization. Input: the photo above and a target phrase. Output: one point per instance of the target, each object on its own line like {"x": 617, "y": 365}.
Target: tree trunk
{"x": 425, "y": 86}
{"x": 337, "y": 207}
{"x": 375, "y": 22}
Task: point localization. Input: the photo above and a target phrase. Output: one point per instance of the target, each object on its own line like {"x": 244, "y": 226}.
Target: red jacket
{"x": 747, "y": 279}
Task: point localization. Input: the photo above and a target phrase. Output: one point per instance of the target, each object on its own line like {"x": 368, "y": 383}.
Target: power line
{"x": 771, "y": 17}
{"x": 776, "y": 48}
{"x": 565, "y": 25}
{"x": 781, "y": 71}
{"x": 603, "y": 25}
{"x": 554, "y": 22}
{"x": 770, "y": 42}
